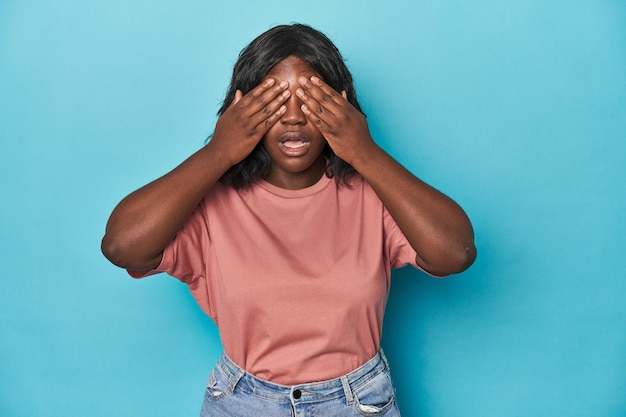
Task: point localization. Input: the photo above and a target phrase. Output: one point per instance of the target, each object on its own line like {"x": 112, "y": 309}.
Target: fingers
{"x": 321, "y": 103}
{"x": 259, "y": 109}
{"x": 322, "y": 93}
{"x": 265, "y": 94}
{"x": 264, "y": 104}
{"x": 238, "y": 95}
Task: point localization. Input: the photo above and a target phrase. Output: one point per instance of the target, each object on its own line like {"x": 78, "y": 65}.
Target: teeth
{"x": 292, "y": 144}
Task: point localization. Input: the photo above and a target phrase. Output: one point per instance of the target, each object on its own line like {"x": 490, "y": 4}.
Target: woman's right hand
{"x": 145, "y": 222}
{"x": 248, "y": 118}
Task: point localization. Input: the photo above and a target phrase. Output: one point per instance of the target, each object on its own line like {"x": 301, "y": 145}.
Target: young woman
{"x": 285, "y": 227}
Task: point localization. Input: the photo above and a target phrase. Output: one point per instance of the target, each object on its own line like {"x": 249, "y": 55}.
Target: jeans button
{"x": 297, "y": 394}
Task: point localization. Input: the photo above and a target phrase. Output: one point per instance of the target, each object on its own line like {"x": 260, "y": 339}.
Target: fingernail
{"x": 316, "y": 80}
{"x": 284, "y": 84}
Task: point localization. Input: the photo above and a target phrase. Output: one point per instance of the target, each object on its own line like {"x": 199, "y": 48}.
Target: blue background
{"x": 517, "y": 109}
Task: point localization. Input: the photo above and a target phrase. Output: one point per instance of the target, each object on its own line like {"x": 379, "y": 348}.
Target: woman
{"x": 285, "y": 227}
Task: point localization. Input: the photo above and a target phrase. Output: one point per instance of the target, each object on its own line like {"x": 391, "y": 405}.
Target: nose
{"x": 294, "y": 114}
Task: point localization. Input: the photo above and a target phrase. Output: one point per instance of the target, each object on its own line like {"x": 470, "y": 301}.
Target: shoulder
{"x": 358, "y": 193}
{"x": 358, "y": 185}
{"x": 221, "y": 191}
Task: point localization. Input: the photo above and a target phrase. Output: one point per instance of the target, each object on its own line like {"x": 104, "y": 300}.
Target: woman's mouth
{"x": 294, "y": 144}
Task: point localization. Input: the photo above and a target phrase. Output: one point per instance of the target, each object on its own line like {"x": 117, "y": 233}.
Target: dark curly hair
{"x": 256, "y": 60}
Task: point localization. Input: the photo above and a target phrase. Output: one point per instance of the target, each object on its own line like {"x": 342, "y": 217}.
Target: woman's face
{"x": 294, "y": 144}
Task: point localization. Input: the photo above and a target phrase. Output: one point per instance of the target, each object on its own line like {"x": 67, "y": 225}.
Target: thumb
{"x": 238, "y": 95}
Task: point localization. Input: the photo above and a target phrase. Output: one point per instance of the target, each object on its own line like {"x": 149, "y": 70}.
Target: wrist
{"x": 217, "y": 157}
{"x": 368, "y": 154}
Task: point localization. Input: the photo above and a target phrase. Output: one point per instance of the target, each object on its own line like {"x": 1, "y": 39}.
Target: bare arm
{"x": 144, "y": 222}
{"x": 435, "y": 226}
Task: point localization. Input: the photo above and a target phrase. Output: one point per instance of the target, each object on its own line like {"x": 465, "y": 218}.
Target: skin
{"x": 305, "y": 169}
{"x": 294, "y": 103}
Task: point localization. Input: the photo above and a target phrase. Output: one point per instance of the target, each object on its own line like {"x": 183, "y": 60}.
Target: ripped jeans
{"x": 366, "y": 391}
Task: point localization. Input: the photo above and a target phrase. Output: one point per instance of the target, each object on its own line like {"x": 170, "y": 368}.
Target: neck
{"x": 297, "y": 180}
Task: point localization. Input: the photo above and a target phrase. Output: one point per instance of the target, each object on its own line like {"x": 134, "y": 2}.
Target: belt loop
{"x": 384, "y": 358}
{"x": 347, "y": 390}
{"x": 235, "y": 380}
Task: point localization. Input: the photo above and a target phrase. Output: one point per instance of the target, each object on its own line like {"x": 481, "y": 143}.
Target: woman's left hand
{"x": 435, "y": 226}
{"x": 343, "y": 126}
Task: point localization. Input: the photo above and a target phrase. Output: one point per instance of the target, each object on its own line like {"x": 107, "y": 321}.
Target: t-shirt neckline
{"x": 303, "y": 192}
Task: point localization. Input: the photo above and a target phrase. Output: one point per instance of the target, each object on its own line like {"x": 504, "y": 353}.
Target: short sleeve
{"x": 398, "y": 249}
{"x": 184, "y": 257}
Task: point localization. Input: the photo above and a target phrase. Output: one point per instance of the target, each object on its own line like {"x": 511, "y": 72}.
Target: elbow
{"x": 455, "y": 261}
{"x": 127, "y": 255}
{"x": 461, "y": 253}
{"x": 113, "y": 251}
{"x": 465, "y": 258}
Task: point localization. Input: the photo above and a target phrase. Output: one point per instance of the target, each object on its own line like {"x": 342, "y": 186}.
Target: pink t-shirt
{"x": 296, "y": 280}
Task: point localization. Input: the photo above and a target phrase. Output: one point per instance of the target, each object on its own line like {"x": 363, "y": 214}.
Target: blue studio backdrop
{"x": 516, "y": 109}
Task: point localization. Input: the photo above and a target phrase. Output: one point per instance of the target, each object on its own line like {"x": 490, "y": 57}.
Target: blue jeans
{"x": 366, "y": 391}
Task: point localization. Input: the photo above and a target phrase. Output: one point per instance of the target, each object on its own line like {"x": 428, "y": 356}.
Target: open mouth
{"x": 294, "y": 144}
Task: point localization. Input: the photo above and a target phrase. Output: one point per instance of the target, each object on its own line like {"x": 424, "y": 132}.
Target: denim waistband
{"x": 307, "y": 392}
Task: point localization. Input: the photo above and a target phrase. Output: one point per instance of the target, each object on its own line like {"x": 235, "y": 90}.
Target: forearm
{"x": 435, "y": 226}
{"x": 144, "y": 222}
